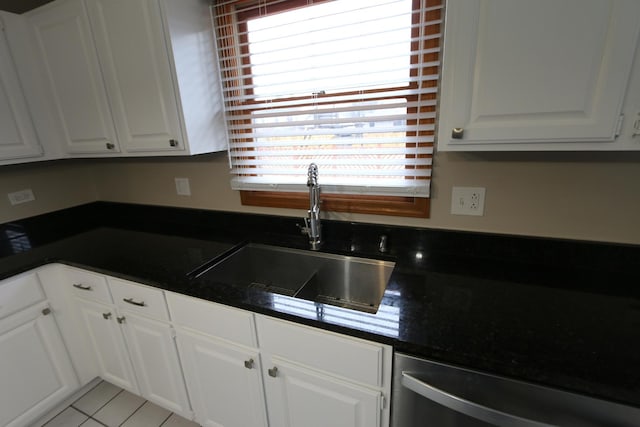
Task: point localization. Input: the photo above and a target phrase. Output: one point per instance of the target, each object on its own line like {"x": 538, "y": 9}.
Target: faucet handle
{"x": 305, "y": 229}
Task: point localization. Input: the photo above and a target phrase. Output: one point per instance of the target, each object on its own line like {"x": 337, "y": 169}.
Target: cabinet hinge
{"x": 619, "y": 126}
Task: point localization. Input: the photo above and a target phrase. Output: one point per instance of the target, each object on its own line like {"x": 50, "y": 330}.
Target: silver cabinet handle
{"x": 248, "y": 364}
{"x": 467, "y": 407}
{"x": 106, "y": 316}
{"x": 457, "y": 133}
{"x": 120, "y": 319}
{"x": 46, "y": 311}
{"x": 132, "y": 302}
{"x": 81, "y": 286}
{"x": 110, "y": 146}
{"x": 273, "y": 372}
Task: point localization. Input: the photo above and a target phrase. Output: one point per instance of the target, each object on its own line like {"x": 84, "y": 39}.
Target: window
{"x": 347, "y": 84}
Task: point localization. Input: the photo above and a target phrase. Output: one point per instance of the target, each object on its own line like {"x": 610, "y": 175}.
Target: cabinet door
{"x": 528, "y": 75}
{"x": 35, "y": 371}
{"x": 155, "y": 359}
{"x": 299, "y": 397}
{"x": 224, "y": 382}
{"x": 108, "y": 344}
{"x": 132, "y": 49}
{"x": 71, "y": 65}
{"x": 18, "y": 137}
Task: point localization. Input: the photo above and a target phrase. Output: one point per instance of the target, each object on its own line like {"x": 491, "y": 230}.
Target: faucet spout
{"x": 313, "y": 226}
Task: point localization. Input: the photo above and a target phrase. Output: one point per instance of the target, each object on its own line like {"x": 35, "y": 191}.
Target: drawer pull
{"x": 46, "y": 311}
{"x": 120, "y": 319}
{"x": 132, "y": 302}
{"x": 106, "y": 316}
{"x": 248, "y": 364}
{"x": 83, "y": 287}
{"x": 273, "y": 372}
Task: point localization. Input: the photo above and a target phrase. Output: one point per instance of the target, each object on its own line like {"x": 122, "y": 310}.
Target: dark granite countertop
{"x": 559, "y": 313}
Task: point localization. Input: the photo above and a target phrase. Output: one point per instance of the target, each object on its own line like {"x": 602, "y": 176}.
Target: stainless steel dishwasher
{"x": 430, "y": 394}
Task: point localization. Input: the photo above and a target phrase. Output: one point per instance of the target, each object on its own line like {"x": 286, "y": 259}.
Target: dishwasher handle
{"x": 467, "y": 407}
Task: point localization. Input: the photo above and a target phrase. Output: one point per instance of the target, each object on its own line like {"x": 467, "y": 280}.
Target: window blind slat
{"x": 238, "y": 144}
{"x": 347, "y": 84}
{"x": 329, "y": 173}
{"x": 233, "y": 102}
{"x": 384, "y": 188}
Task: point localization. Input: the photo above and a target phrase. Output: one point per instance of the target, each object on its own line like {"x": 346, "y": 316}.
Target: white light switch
{"x": 22, "y": 196}
{"x": 182, "y": 187}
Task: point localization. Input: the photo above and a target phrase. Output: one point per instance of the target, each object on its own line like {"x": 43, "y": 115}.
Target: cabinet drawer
{"x": 213, "y": 319}
{"x": 347, "y": 357}
{"x": 19, "y": 292}
{"x": 89, "y": 285}
{"x": 140, "y": 299}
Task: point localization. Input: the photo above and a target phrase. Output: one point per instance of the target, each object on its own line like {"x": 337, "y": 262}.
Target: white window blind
{"x": 347, "y": 84}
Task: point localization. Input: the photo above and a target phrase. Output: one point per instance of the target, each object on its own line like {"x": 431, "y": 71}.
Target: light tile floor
{"x": 111, "y": 406}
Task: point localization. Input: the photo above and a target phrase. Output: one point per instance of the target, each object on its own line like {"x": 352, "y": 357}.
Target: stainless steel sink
{"x": 345, "y": 281}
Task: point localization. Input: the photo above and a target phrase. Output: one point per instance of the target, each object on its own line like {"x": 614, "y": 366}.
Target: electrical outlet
{"x": 182, "y": 187}
{"x": 467, "y": 201}
{"x": 22, "y": 196}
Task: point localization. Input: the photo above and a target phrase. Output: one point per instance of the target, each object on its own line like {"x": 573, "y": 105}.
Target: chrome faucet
{"x": 312, "y": 221}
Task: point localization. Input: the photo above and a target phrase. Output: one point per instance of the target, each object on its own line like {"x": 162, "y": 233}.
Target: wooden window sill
{"x": 376, "y": 205}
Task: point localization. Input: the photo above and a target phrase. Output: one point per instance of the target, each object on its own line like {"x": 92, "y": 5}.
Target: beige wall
{"x": 56, "y": 185}
{"x": 587, "y": 196}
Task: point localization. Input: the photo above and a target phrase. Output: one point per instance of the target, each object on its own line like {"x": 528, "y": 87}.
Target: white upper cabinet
{"x": 130, "y": 41}
{"x": 72, "y": 69}
{"x": 132, "y": 77}
{"x": 18, "y": 138}
{"x": 535, "y": 75}
{"x": 158, "y": 61}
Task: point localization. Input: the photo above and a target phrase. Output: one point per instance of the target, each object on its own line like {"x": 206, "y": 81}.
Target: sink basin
{"x": 345, "y": 281}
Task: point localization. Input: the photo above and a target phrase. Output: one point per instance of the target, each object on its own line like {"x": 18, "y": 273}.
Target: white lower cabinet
{"x": 302, "y": 397}
{"x": 236, "y": 364}
{"x": 108, "y": 344}
{"x": 315, "y": 378}
{"x": 221, "y": 362}
{"x": 134, "y": 351}
{"x": 222, "y": 366}
{"x": 156, "y": 363}
{"x": 224, "y": 381}
{"x": 35, "y": 369}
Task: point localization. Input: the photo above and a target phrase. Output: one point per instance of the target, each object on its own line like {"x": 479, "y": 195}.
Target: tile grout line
{"x": 166, "y": 419}
{"x": 137, "y": 409}
{"x": 93, "y": 419}
{"x": 97, "y": 410}
{"x": 52, "y": 418}
{"x": 71, "y": 405}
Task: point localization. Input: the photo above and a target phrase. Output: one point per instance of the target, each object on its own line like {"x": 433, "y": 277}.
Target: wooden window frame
{"x": 365, "y": 204}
